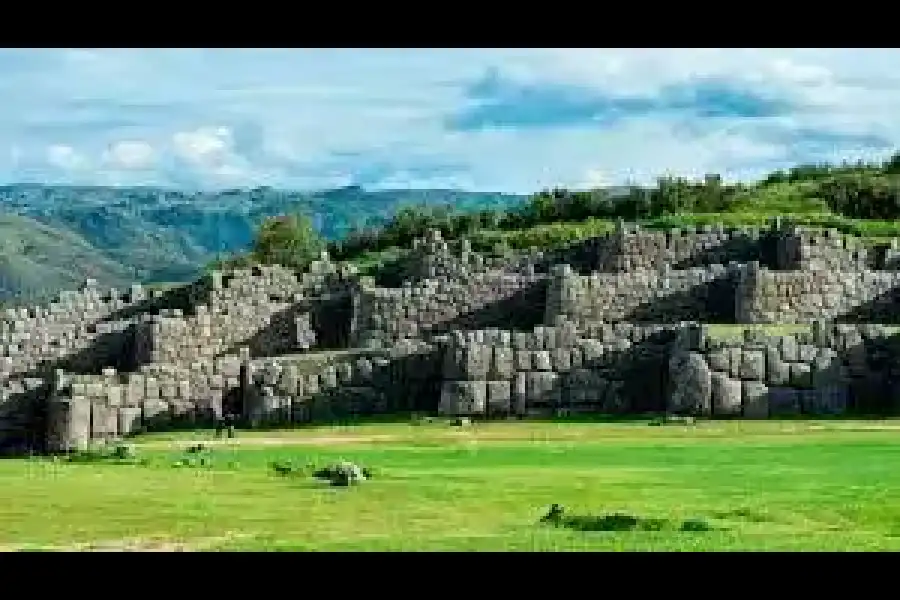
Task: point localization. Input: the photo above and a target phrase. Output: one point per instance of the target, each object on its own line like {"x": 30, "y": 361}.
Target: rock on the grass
{"x": 342, "y": 474}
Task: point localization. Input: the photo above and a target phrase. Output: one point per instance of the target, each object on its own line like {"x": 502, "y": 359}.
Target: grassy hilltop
{"x": 861, "y": 200}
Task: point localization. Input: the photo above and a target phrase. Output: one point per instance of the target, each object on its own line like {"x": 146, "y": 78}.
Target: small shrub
{"x": 418, "y": 419}
{"x": 696, "y": 525}
{"x": 613, "y": 522}
{"x": 284, "y": 468}
{"x": 619, "y": 522}
{"x": 105, "y": 452}
{"x": 124, "y": 452}
{"x": 195, "y": 456}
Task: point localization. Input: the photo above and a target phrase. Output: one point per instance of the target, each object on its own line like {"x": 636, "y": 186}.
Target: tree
{"x": 892, "y": 165}
{"x": 291, "y": 241}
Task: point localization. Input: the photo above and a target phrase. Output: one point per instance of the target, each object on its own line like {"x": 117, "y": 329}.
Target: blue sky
{"x": 512, "y": 120}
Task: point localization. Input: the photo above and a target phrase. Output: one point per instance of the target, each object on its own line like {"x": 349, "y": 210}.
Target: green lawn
{"x": 829, "y": 485}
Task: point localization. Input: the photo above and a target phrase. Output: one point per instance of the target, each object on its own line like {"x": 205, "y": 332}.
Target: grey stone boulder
{"x": 690, "y": 385}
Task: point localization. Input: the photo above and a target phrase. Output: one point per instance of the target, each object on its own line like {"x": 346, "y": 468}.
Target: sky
{"x": 501, "y": 120}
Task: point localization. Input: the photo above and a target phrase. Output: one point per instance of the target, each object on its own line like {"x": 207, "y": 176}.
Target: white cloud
{"x": 130, "y": 155}
{"x": 327, "y": 117}
{"x": 65, "y": 157}
{"x": 206, "y": 146}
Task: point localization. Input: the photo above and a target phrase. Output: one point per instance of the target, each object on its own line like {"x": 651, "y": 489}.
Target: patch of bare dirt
{"x": 858, "y": 427}
{"x": 278, "y": 441}
{"x": 321, "y": 440}
{"x": 132, "y": 545}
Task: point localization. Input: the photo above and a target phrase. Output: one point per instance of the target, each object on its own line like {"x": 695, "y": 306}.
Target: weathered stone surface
{"x": 755, "y": 400}
{"x": 778, "y": 372}
{"x": 589, "y": 343}
{"x": 460, "y": 398}
{"x": 499, "y": 397}
{"x": 725, "y": 395}
{"x": 801, "y": 375}
{"x": 691, "y": 388}
{"x": 753, "y": 365}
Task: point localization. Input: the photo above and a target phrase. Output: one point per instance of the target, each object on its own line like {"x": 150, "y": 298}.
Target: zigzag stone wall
{"x": 465, "y": 334}
{"x": 87, "y": 331}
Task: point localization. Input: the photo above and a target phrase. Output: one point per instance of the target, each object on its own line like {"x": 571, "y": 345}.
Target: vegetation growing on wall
{"x": 857, "y": 199}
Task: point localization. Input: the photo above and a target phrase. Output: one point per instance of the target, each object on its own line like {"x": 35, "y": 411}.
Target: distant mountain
{"x": 52, "y": 237}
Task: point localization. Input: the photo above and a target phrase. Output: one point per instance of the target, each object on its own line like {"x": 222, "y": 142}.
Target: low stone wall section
{"x": 701, "y": 294}
{"x": 828, "y": 370}
{"x": 765, "y": 296}
{"x": 436, "y": 306}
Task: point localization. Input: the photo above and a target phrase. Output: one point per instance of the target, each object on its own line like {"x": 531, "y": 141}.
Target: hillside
{"x": 36, "y": 260}
{"x": 52, "y": 235}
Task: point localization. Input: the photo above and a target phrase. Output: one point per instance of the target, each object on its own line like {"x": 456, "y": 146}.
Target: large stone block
{"x": 778, "y": 372}
{"x": 753, "y": 365}
{"x": 542, "y": 360}
{"x": 755, "y": 401}
{"x": 499, "y": 397}
{"x": 720, "y": 360}
{"x": 503, "y": 365}
{"x": 463, "y": 398}
{"x": 520, "y": 393}
{"x": 801, "y": 375}
{"x": 104, "y": 421}
{"x": 690, "y": 384}
{"x": 725, "y": 395}
{"x": 543, "y": 388}
{"x": 129, "y": 420}
{"x": 69, "y": 424}
{"x": 524, "y": 360}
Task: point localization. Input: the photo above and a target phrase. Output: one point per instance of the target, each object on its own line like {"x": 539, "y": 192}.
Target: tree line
{"x": 859, "y": 191}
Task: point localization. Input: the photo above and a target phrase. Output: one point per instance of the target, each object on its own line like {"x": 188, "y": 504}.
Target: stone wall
{"x": 828, "y": 370}
{"x": 765, "y": 296}
{"x": 82, "y": 408}
{"x": 799, "y": 249}
{"x": 270, "y": 310}
{"x": 404, "y": 378}
{"x": 436, "y": 306}
{"x": 589, "y": 368}
{"x": 467, "y": 334}
{"x": 285, "y": 390}
{"x": 701, "y": 294}
{"x": 631, "y": 248}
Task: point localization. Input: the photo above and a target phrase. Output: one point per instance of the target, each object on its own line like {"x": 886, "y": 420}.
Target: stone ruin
{"x": 622, "y": 323}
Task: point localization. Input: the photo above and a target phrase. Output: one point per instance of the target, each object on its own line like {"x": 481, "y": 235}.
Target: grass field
{"x": 828, "y": 485}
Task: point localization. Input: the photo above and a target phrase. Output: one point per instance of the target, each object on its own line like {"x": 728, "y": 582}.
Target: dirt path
{"x": 278, "y": 441}
{"x": 132, "y": 545}
{"x": 475, "y": 435}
